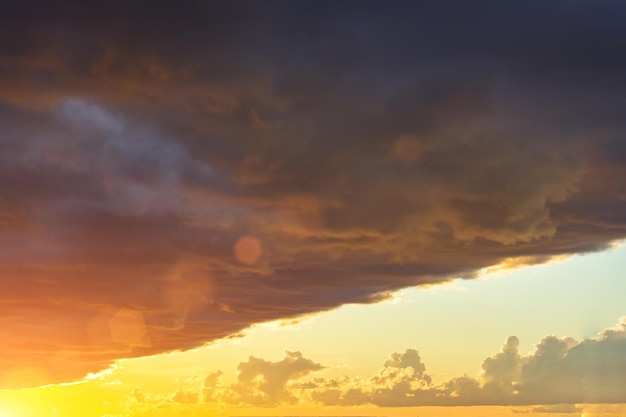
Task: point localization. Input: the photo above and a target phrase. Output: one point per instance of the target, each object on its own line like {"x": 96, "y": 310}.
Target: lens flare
{"x": 248, "y": 250}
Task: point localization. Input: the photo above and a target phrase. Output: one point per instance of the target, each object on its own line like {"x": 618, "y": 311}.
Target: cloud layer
{"x": 171, "y": 175}
{"x": 558, "y": 373}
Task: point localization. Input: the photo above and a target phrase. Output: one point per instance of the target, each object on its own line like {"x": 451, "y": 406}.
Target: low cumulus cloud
{"x": 170, "y": 176}
{"x": 559, "y": 373}
{"x": 260, "y": 382}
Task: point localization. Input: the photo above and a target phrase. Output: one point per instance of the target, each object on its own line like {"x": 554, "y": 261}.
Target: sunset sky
{"x": 312, "y": 208}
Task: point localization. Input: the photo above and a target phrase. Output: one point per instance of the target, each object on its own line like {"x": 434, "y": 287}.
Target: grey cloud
{"x": 592, "y": 371}
{"x": 409, "y": 359}
{"x": 502, "y": 370}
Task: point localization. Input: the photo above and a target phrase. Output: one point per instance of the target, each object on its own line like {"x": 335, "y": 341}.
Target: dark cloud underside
{"x": 362, "y": 147}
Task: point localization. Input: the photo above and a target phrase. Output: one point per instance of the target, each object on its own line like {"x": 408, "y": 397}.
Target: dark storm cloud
{"x": 365, "y": 147}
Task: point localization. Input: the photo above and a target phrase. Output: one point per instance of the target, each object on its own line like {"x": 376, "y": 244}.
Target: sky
{"x": 312, "y": 208}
